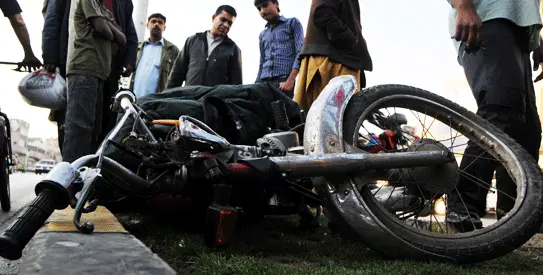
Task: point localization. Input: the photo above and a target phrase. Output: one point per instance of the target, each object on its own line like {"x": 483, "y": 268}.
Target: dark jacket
{"x": 194, "y": 67}
{"x": 55, "y": 33}
{"x": 167, "y": 58}
{"x": 334, "y": 30}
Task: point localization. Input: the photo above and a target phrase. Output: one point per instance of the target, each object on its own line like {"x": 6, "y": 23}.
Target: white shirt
{"x": 148, "y": 68}
{"x": 212, "y": 42}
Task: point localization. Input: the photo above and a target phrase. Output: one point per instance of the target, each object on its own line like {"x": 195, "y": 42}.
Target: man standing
{"x": 55, "y": 52}
{"x": 89, "y": 66}
{"x": 333, "y": 46}
{"x": 12, "y": 10}
{"x": 280, "y": 44}
{"x": 155, "y": 59}
{"x": 494, "y": 40}
{"x": 213, "y": 57}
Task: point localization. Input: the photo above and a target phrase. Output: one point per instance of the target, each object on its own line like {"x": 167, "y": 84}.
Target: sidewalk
{"x": 58, "y": 248}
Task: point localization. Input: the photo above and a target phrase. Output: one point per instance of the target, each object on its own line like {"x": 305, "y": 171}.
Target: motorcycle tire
{"x": 517, "y": 228}
{"x": 5, "y": 199}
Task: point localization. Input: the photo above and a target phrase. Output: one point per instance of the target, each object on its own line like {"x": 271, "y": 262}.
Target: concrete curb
{"x": 58, "y": 248}
{"x": 536, "y": 242}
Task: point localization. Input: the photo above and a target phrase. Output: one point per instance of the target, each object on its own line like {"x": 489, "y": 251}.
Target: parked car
{"x": 44, "y": 166}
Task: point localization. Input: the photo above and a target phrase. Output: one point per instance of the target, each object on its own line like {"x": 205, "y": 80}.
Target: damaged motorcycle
{"x": 382, "y": 162}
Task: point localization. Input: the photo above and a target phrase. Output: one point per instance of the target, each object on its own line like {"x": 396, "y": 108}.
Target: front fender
{"x": 323, "y": 134}
{"x": 323, "y": 131}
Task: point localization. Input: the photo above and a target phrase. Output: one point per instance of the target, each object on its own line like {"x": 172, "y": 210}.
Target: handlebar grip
{"x": 19, "y": 233}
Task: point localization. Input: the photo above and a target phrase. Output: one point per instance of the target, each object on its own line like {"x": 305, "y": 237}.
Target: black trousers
{"x": 500, "y": 77}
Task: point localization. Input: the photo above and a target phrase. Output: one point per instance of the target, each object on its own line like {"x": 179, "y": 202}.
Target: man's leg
{"x": 61, "y": 115}
{"x": 82, "y": 123}
{"x": 109, "y": 118}
{"x": 496, "y": 76}
{"x": 528, "y": 134}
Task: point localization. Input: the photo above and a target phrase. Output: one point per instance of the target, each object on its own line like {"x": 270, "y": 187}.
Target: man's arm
{"x": 259, "y": 75}
{"x": 236, "y": 76}
{"x": 468, "y": 23}
{"x": 176, "y": 51}
{"x": 326, "y": 18}
{"x": 102, "y": 28}
{"x": 100, "y": 23}
{"x": 131, "y": 48}
{"x": 180, "y": 67}
{"x": 19, "y": 26}
{"x": 298, "y": 43}
{"x": 537, "y": 56}
{"x": 107, "y": 30}
{"x": 119, "y": 36}
{"x": 52, "y": 27}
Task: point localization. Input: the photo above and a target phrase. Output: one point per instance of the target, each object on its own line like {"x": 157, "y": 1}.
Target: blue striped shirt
{"x": 148, "y": 69}
{"x": 280, "y": 46}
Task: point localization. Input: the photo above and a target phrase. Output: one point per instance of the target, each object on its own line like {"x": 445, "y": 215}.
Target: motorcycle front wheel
{"x": 420, "y": 219}
{"x": 5, "y": 198}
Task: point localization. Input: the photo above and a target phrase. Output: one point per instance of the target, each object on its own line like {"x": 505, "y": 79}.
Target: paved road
{"x": 22, "y": 192}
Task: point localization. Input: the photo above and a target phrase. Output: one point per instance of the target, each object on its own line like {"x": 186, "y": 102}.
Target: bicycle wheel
{"x": 419, "y": 218}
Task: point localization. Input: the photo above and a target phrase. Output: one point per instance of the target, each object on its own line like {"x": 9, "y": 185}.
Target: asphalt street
{"x": 22, "y": 192}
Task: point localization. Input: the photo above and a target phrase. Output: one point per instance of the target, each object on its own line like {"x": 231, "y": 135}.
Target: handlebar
{"x": 51, "y": 194}
{"x": 19, "y": 233}
{"x": 126, "y": 103}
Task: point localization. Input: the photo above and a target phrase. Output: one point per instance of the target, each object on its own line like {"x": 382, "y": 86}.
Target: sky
{"x": 409, "y": 43}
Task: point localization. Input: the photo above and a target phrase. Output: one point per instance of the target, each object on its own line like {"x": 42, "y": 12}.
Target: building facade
{"x": 19, "y": 141}
{"x": 27, "y": 150}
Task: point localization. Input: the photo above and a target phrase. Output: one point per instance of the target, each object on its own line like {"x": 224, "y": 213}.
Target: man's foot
{"x": 464, "y": 222}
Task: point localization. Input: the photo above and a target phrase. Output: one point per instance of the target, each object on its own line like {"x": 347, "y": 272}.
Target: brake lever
{"x": 90, "y": 178}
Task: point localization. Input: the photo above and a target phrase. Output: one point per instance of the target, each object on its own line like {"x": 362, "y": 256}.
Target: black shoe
{"x": 464, "y": 222}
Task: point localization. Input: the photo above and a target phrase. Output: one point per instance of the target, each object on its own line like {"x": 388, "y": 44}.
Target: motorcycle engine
{"x": 171, "y": 183}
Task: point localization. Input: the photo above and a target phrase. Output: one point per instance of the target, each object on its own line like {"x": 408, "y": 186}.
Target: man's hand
{"x": 127, "y": 70}
{"x": 120, "y": 38}
{"x": 30, "y": 63}
{"x": 50, "y": 68}
{"x": 468, "y": 26}
{"x": 287, "y": 86}
{"x": 537, "y": 56}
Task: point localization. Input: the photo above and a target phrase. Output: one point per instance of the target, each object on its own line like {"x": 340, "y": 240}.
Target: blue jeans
{"x": 83, "y": 121}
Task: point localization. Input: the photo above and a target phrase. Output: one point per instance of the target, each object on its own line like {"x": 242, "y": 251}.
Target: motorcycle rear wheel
{"x": 498, "y": 239}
